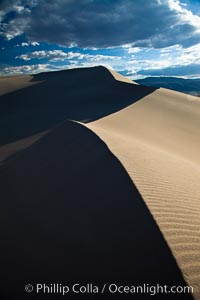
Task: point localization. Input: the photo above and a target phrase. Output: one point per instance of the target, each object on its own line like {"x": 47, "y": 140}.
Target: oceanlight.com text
{"x": 111, "y": 288}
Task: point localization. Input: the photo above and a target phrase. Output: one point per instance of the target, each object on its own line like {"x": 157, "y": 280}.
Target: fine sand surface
{"x": 99, "y": 183}
{"x": 157, "y": 141}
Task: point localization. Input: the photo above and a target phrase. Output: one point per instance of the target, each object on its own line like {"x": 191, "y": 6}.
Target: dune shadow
{"x": 71, "y": 214}
{"x": 85, "y": 95}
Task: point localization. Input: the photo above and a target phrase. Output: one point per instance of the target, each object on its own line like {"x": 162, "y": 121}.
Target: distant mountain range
{"x": 188, "y": 86}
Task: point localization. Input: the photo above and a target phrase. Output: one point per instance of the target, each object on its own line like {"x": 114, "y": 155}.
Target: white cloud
{"x": 22, "y": 12}
{"x": 14, "y": 28}
{"x": 90, "y": 57}
{"x": 72, "y": 55}
{"x": 25, "y": 69}
{"x": 16, "y": 6}
{"x": 185, "y": 15}
{"x": 52, "y": 55}
{"x": 24, "y": 44}
{"x": 100, "y": 57}
{"x": 190, "y": 55}
{"x": 133, "y": 49}
{"x": 34, "y": 44}
{"x": 59, "y": 55}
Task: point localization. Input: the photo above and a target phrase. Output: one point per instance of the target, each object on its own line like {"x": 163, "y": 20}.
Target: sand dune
{"x": 112, "y": 195}
{"x": 31, "y": 105}
{"x": 156, "y": 140}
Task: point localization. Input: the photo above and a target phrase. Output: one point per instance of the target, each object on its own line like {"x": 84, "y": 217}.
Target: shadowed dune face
{"x": 70, "y": 213}
{"x": 80, "y": 94}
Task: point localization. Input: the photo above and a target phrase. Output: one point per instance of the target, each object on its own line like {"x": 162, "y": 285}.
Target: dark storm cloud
{"x": 104, "y": 23}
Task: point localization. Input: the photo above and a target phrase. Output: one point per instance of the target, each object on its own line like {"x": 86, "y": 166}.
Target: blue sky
{"x": 138, "y": 38}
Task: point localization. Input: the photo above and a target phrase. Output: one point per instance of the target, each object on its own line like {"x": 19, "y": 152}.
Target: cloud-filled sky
{"x": 138, "y": 38}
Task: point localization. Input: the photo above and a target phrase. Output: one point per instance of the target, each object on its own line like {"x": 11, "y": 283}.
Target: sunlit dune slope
{"x": 157, "y": 141}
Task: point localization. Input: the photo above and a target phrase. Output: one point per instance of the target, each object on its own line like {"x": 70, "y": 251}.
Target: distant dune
{"x": 99, "y": 182}
{"x": 31, "y": 105}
